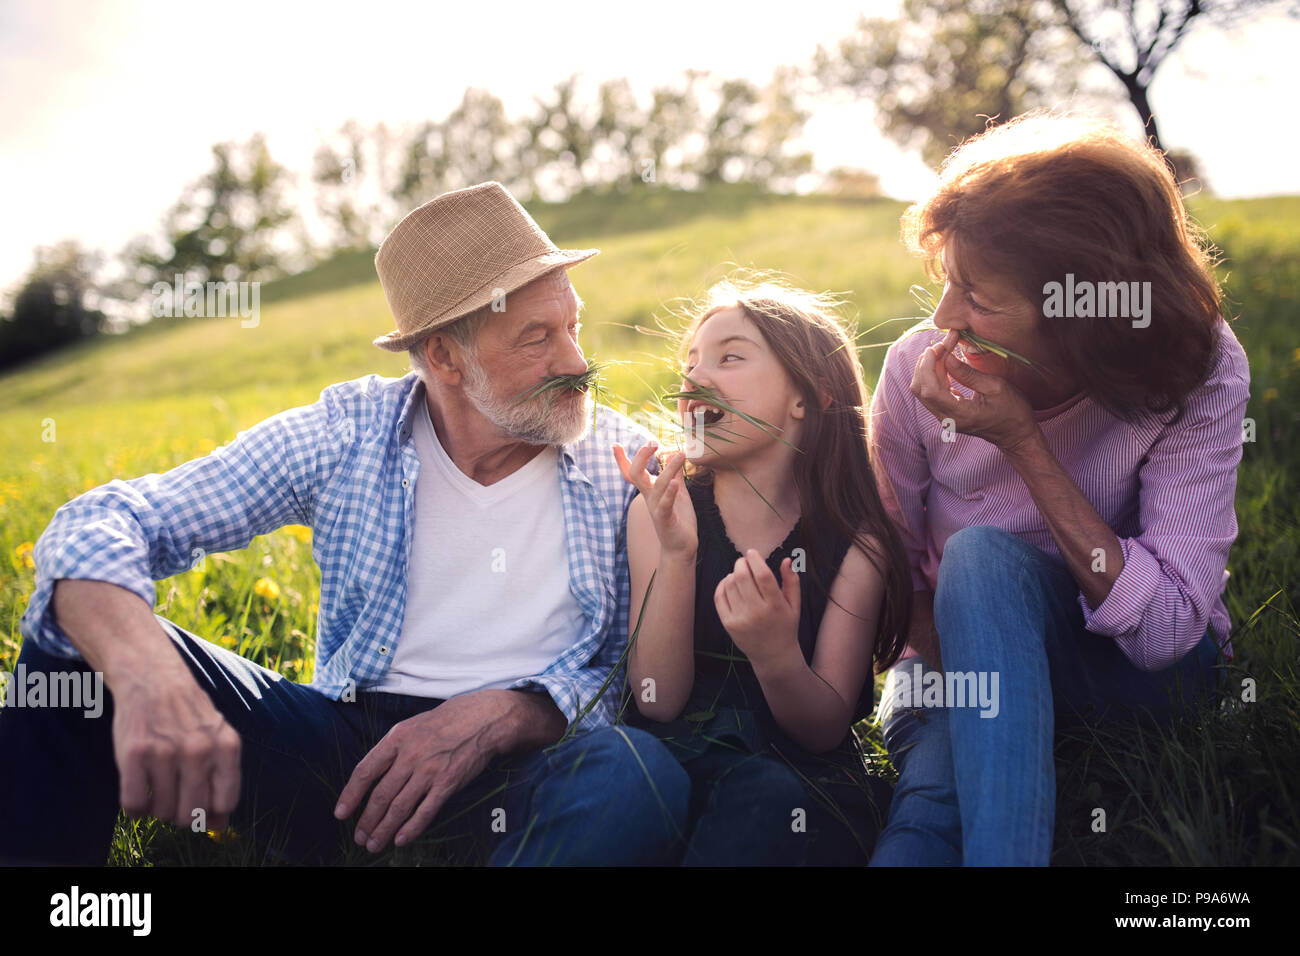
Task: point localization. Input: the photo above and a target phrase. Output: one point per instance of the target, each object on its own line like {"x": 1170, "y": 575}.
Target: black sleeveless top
{"x": 726, "y": 701}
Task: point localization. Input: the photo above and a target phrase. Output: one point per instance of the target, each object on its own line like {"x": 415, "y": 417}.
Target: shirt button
{"x": 405, "y": 483}
{"x": 383, "y": 649}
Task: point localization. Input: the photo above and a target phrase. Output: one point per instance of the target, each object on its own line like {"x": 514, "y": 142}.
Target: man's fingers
{"x": 134, "y": 786}
{"x": 379, "y": 806}
{"x": 162, "y": 772}
{"x": 424, "y": 815}
{"x": 400, "y": 810}
{"x": 226, "y": 772}
{"x": 372, "y": 765}
{"x": 193, "y": 793}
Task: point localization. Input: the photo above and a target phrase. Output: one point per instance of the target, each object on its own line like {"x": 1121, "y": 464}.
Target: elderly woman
{"x": 1065, "y": 492}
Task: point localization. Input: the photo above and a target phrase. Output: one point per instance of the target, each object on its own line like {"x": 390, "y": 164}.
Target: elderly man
{"x": 474, "y": 595}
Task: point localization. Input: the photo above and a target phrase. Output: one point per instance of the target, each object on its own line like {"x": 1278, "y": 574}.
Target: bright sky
{"x": 110, "y": 109}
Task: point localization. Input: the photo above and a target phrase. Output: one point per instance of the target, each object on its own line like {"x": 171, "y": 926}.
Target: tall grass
{"x": 1220, "y": 788}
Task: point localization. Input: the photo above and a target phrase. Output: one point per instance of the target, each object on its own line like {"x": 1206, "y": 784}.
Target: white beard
{"x": 536, "y": 422}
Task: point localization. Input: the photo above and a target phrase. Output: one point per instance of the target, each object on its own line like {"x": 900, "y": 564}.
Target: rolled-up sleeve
{"x": 134, "y": 532}
{"x": 1159, "y": 605}
{"x": 899, "y": 460}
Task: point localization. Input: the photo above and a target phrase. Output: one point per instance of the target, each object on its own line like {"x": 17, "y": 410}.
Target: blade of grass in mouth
{"x": 556, "y": 385}
{"x": 925, "y": 299}
{"x": 710, "y": 397}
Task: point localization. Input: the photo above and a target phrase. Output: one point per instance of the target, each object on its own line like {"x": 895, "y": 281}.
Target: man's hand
{"x": 175, "y": 752}
{"x": 424, "y": 760}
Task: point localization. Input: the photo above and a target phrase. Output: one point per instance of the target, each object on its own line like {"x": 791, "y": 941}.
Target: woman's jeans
{"x": 977, "y": 782}
{"x": 608, "y": 797}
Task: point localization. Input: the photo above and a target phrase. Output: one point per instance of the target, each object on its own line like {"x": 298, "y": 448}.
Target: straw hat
{"x": 457, "y": 253}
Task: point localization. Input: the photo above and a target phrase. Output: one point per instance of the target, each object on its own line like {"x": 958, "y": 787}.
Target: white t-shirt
{"x": 487, "y": 594}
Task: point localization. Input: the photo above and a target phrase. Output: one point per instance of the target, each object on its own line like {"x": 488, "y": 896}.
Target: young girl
{"x": 777, "y": 578}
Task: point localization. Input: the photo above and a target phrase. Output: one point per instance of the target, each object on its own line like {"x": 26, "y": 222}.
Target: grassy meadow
{"x": 1223, "y": 789}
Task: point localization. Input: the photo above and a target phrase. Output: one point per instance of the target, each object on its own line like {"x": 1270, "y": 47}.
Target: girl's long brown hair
{"x": 838, "y": 497}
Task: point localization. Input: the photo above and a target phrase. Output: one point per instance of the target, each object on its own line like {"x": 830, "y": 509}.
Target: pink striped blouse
{"x": 1166, "y": 492}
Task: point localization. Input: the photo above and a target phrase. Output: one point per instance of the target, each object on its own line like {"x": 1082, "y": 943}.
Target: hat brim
{"x": 514, "y": 278}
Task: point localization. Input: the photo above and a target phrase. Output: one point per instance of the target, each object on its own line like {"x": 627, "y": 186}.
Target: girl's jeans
{"x": 977, "y": 783}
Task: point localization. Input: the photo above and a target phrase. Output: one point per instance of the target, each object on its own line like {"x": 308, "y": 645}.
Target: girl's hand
{"x": 998, "y": 412}
{"x": 666, "y": 499}
{"x": 761, "y": 615}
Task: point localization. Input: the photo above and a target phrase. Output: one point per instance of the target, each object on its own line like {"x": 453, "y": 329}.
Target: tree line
{"x": 936, "y": 74}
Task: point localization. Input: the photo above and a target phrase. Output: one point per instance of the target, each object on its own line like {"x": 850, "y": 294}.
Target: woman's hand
{"x": 998, "y": 412}
{"x": 760, "y": 613}
{"x": 666, "y": 498}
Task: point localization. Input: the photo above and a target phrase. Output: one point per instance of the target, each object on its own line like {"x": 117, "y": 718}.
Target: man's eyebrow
{"x": 529, "y": 329}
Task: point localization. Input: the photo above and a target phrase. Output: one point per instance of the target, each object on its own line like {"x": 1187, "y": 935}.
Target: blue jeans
{"x": 981, "y": 790}
{"x": 614, "y": 796}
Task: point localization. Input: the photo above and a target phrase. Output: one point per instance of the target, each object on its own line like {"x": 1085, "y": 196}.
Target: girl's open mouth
{"x": 710, "y": 414}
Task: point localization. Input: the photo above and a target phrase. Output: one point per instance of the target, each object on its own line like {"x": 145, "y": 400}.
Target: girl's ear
{"x": 798, "y": 410}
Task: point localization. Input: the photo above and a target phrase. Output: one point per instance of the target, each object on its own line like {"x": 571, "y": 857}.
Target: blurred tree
{"x": 561, "y": 137}
{"x": 749, "y": 133}
{"x": 335, "y": 174}
{"x": 944, "y": 67}
{"x": 227, "y": 225}
{"x": 1132, "y": 38}
{"x": 618, "y": 130}
{"x": 845, "y": 182}
{"x": 672, "y": 118}
{"x": 55, "y": 305}
{"x": 424, "y": 167}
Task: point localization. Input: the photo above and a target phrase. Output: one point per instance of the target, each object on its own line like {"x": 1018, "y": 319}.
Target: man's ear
{"x": 443, "y": 359}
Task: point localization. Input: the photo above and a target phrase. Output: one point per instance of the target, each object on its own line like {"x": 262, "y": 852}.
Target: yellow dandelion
{"x": 1269, "y": 395}
{"x": 313, "y": 609}
{"x": 266, "y": 588}
{"x": 207, "y": 445}
{"x": 23, "y": 555}
{"x": 298, "y": 531}
{"x": 1297, "y": 355}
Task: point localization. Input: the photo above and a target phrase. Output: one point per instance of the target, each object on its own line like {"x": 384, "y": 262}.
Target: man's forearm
{"x": 115, "y": 631}
{"x": 530, "y": 721}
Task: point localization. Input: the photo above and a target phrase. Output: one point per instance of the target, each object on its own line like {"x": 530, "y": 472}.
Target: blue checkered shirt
{"x": 345, "y": 466}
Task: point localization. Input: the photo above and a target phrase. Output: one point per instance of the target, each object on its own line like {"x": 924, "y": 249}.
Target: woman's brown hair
{"x": 838, "y": 497}
{"x": 1043, "y": 196}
